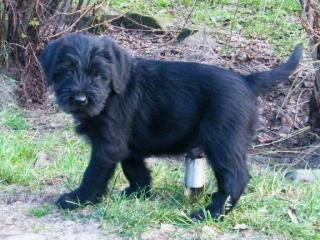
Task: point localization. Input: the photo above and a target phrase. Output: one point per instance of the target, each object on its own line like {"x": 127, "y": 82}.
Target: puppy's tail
{"x": 261, "y": 82}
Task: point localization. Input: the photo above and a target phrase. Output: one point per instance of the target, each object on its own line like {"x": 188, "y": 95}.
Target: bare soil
{"x": 16, "y": 221}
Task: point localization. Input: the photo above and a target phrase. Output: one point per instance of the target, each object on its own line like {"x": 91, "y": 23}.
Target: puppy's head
{"x": 84, "y": 71}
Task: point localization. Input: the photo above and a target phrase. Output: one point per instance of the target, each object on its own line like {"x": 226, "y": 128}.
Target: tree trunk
{"x": 25, "y": 25}
{"x": 311, "y": 15}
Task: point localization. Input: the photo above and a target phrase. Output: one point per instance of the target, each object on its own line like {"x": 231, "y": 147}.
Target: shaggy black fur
{"x": 132, "y": 108}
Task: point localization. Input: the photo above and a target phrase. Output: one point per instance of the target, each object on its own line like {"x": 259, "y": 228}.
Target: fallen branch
{"x": 295, "y": 133}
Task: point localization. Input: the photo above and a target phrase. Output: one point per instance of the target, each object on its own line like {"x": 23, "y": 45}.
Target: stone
{"x": 184, "y": 33}
{"x": 137, "y": 21}
{"x": 304, "y": 175}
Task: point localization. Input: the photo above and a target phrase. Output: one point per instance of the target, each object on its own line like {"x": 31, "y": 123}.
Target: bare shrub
{"x": 25, "y": 25}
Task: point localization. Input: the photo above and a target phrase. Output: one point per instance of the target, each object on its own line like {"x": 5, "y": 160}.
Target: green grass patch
{"x": 40, "y": 211}
{"x": 11, "y": 117}
{"x": 265, "y": 207}
{"x": 21, "y": 149}
{"x": 17, "y": 155}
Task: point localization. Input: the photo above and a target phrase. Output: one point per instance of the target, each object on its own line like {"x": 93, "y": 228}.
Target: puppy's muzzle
{"x": 80, "y": 99}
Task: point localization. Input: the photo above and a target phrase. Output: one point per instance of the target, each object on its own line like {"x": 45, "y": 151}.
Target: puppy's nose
{"x": 80, "y": 99}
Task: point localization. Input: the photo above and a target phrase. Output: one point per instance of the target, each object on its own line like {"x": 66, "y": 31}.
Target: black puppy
{"x": 130, "y": 109}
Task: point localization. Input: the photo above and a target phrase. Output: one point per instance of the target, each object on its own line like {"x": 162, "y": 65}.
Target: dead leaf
{"x": 308, "y": 84}
{"x": 292, "y": 212}
{"x": 263, "y": 210}
{"x": 43, "y": 159}
{"x": 240, "y": 227}
{"x": 208, "y": 231}
{"x": 264, "y": 138}
{"x": 167, "y": 227}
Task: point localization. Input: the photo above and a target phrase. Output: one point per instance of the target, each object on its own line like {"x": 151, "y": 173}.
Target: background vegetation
{"x": 38, "y": 149}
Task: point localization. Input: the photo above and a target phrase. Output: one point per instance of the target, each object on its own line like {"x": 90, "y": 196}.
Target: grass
{"x": 272, "y": 20}
{"x": 19, "y": 152}
{"x": 41, "y": 211}
{"x": 21, "y": 147}
{"x": 11, "y": 117}
{"x": 264, "y": 208}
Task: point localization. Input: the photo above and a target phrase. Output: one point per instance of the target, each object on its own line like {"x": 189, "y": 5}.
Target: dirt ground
{"x": 16, "y": 221}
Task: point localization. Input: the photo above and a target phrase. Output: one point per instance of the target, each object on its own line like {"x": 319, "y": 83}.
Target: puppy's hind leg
{"x": 138, "y": 175}
{"x": 230, "y": 169}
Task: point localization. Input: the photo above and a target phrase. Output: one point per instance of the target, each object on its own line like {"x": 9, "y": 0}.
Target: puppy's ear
{"x": 48, "y": 58}
{"x": 120, "y": 65}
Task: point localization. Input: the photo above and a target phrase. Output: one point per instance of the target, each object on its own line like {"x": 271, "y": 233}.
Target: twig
{"x": 292, "y": 88}
{"x": 310, "y": 151}
{"x": 297, "y": 104}
{"x": 283, "y": 138}
{"x": 65, "y": 7}
{"x": 232, "y": 22}
{"x": 75, "y": 22}
{"x": 189, "y": 15}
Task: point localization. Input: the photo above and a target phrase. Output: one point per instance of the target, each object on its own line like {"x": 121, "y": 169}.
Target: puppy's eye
{"x": 69, "y": 73}
{"x": 96, "y": 74}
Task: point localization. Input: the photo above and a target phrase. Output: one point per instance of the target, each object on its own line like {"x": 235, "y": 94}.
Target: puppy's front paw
{"x": 68, "y": 201}
{"x": 202, "y": 215}
{"x": 139, "y": 192}
{"x": 128, "y": 191}
{"x": 198, "y": 215}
